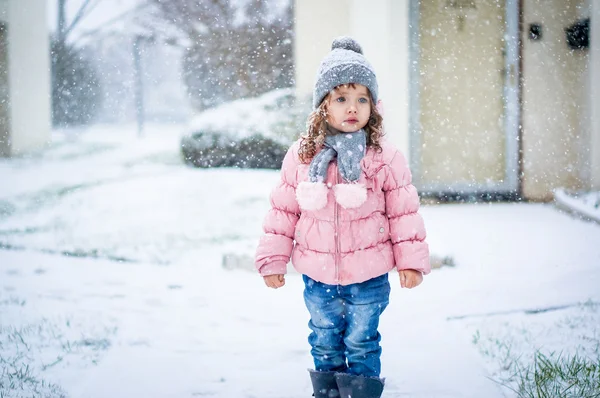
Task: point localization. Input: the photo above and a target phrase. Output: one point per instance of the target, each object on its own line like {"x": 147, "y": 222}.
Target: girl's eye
{"x": 363, "y": 100}
{"x": 340, "y": 99}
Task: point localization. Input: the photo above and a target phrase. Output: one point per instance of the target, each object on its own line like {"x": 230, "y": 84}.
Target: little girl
{"x": 345, "y": 211}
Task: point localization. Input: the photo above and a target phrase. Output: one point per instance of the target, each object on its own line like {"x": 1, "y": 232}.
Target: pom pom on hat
{"x": 346, "y": 43}
{"x": 344, "y": 64}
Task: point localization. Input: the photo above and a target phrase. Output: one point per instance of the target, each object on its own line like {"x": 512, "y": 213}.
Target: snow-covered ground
{"x": 584, "y": 204}
{"x": 112, "y": 283}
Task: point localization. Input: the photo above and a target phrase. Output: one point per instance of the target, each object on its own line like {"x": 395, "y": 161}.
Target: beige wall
{"x": 594, "y": 99}
{"x": 461, "y": 83}
{"x": 561, "y": 93}
{"x": 381, "y": 27}
{"x": 555, "y": 128}
{"x": 29, "y": 74}
{"x": 5, "y": 122}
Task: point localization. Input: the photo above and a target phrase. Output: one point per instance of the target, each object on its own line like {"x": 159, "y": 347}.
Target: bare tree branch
{"x": 83, "y": 10}
{"x": 188, "y": 15}
{"x": 113, "y": 20}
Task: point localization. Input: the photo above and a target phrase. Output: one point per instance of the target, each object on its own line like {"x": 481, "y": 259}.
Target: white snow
{"x": 586, "y": 204}
{"x": 169, "y": 321}
{"x": 269, "y": 115}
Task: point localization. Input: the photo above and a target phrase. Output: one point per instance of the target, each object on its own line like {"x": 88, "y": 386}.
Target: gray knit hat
{"x": 344, "y": 64}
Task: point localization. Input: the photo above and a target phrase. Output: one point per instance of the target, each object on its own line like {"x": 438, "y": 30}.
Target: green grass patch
{"x": 27, "y": 351}
{"x": 542, "y": 354}
{"x": 572, "y": 376}
{"x": 19, "y": 376}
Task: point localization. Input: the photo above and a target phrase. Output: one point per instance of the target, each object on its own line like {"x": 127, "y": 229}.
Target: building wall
{"x": 4, "y": 91}
{"x": 594, "y": 99}
{"x": 462, "y": 78}
{"x": 5, "y": 122}
{"x": 4, "y": 10}
{"x": 382, "y": 29}
{"x": 560, "y": 97}
{"x": 555, "y": 98}
{"x": 317, "y": 23}
{"x": 398, "y": 94}
{"x": 29, "y": 74}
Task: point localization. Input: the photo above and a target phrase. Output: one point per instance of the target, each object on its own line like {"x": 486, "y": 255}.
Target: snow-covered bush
{"x": 211, "y": 149}
{"x": 248, "y": 133}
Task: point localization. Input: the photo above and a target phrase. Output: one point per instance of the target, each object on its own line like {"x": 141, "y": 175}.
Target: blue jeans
{"x": 344, "y": 322}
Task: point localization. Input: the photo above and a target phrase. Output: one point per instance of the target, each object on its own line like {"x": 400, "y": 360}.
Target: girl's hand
{"x": 274, "y": 281}
{"x": 410, "y": 278}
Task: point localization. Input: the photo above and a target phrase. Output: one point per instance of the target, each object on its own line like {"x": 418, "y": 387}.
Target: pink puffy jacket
{"x": 340, "y": 246}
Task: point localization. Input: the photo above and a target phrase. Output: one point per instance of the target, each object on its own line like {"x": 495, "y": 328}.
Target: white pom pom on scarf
{"x": 312, "y": 195}
{"x": 350, "y": 196}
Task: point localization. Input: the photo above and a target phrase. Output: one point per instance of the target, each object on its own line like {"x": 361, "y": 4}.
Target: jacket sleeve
{"x": 407, "y": 228}
{"x": 275, "y": 246}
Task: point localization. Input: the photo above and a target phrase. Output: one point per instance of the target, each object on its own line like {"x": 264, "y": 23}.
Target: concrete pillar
{"x": 595, "y": 95}
{"x": 317, "y": 23}
{"x": 381, "y": 26}
{"x": 29, "y": 75}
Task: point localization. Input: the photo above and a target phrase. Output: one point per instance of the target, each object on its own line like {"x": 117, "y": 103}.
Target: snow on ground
{"x": 584, "y": 204}
{"x": 112, "y": 284}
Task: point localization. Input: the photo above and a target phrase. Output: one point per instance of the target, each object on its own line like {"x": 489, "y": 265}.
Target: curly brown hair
{"x": 312, "y": 141}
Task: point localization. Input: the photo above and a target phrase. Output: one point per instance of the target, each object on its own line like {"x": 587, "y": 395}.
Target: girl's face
{"x": 349, "y": 107}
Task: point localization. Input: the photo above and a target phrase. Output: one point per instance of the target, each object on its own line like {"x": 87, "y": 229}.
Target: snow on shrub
{"x": 248, "y": 133}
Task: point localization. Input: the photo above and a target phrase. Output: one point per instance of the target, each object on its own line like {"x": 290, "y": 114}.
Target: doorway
{"x": 465, "y": 96}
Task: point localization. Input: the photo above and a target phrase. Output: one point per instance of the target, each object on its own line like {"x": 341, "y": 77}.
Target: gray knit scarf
{"x": 348, "y": 147}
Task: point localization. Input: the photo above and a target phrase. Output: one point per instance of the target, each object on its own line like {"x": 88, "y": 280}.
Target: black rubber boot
{"x": 324, "y": 384}
{"x": 351, "y": 386}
